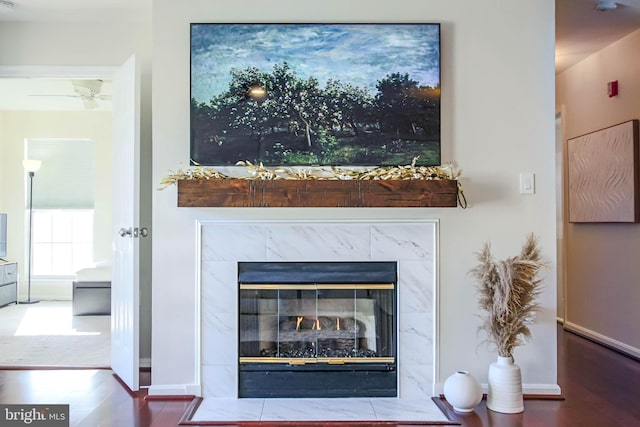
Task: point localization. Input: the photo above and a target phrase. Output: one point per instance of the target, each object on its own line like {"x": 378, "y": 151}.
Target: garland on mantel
{"x": 259, "y": 172}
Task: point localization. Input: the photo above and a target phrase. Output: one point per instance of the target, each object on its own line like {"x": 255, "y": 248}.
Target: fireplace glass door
{"x": 313, "y": 319}
{"x": 316, "y": 323}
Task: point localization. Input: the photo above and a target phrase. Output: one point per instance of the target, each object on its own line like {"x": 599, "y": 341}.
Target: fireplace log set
{"x": 332, "y": 337}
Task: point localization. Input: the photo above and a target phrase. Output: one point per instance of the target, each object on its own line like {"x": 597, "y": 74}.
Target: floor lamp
{"x": 30, "y": 166}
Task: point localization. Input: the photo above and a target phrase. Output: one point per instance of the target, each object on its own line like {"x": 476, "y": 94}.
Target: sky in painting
{"x": 360, "y": 54}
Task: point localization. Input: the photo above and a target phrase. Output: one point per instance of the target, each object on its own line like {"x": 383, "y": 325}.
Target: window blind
{"x": 66, "y": 178}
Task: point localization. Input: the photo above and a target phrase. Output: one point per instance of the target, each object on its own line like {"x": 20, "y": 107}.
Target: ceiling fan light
{"x": 90, "y": 103}
{"x": 605, "y": 6}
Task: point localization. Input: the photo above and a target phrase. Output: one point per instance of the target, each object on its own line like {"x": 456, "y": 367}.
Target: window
{"x": 62, "y": 241}
{"x": 63, "y": 201}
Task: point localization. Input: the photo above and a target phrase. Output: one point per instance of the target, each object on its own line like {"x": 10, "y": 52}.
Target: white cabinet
{"x": 8, "y": 283}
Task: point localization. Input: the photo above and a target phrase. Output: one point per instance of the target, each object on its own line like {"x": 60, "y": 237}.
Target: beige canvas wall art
{"x": 603, "y": 175}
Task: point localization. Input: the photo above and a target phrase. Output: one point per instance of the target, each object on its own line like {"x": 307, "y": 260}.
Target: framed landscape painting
{"x": 315, "y": 94}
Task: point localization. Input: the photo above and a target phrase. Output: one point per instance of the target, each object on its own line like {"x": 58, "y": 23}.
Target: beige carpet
{"x": 47, "y": 334}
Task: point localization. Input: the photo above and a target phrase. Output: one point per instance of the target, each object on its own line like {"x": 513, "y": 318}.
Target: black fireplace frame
{"x": 290, "y": 380}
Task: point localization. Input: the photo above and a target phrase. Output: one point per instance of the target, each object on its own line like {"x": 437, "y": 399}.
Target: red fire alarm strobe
{"x": 612, "y": 88}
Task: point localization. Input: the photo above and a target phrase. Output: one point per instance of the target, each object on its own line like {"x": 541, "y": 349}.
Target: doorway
{"x": 14, "y": 200}
{"x": 59, "y": 108}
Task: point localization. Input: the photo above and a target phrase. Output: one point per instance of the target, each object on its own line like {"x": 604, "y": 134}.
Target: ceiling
{"x": 61, "y": 94}
{"x": 75, "y": 10}
{"x": 581, "y": 30}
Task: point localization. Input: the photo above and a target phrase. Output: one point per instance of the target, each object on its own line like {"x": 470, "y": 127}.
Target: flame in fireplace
{"x": 316, "y": 325}
{"x": 337, "y": 323}
{"x": 298, "y": 321}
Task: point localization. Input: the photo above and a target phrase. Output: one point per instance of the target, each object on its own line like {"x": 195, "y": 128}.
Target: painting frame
{"x": 603, "y": 173}
{"x": 321, "y": 94}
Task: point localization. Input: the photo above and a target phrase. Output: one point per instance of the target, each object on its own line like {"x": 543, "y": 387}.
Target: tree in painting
{"x": 315, "y": 94}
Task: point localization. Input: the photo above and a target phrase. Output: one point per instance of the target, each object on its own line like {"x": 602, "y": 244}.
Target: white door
{"x": 125, "y": 292}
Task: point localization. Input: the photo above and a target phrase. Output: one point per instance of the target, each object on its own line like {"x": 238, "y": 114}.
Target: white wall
{"x": 64, "y": 43}
{"x": 497, "y": 121}
{"x": 3, "y": 171}
{"x": 37, "y": 124}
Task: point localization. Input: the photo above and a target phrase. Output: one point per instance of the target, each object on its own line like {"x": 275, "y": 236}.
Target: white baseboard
{"x": 603, "y": 339}
{"x": 542, "y": 389}
{"x": 175, "y": 390}
{"x": 194, "y": 390}
{"x": 530, "y": 389}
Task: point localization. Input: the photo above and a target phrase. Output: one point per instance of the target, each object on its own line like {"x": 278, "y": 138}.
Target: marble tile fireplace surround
{"x": 412, "y": 244}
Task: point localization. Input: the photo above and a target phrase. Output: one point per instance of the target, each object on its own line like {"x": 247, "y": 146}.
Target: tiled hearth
{"x": 292, "y": 410}
{"x": 412, "y": 244}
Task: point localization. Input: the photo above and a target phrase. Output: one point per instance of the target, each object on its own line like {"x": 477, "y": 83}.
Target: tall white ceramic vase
{"x": 505, "y": 387}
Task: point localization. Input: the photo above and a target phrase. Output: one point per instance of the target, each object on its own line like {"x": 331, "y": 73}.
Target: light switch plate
{"x": 527, "y": 183}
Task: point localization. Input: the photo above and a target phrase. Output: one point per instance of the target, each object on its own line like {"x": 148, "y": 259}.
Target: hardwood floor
{"x": 601, "y": 389}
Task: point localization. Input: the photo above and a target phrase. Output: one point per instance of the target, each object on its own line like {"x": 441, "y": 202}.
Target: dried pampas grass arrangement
{"x": 508, "y": 291}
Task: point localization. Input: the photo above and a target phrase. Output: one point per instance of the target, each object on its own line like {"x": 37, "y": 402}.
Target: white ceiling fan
{"x": 89, "y": 92}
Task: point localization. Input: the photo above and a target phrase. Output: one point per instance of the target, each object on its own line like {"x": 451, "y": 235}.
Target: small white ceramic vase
{"x": 462, "y": 391}
{"x": 505, "y": 387}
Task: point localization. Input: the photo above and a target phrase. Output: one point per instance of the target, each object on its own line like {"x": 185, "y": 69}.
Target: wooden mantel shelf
{"x": 317, "y": 193}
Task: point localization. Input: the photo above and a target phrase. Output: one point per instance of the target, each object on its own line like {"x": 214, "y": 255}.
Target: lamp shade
{"x": 30, "y": 165}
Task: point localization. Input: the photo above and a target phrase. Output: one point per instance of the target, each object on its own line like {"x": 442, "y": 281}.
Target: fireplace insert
{"x": 319, "y": 329}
